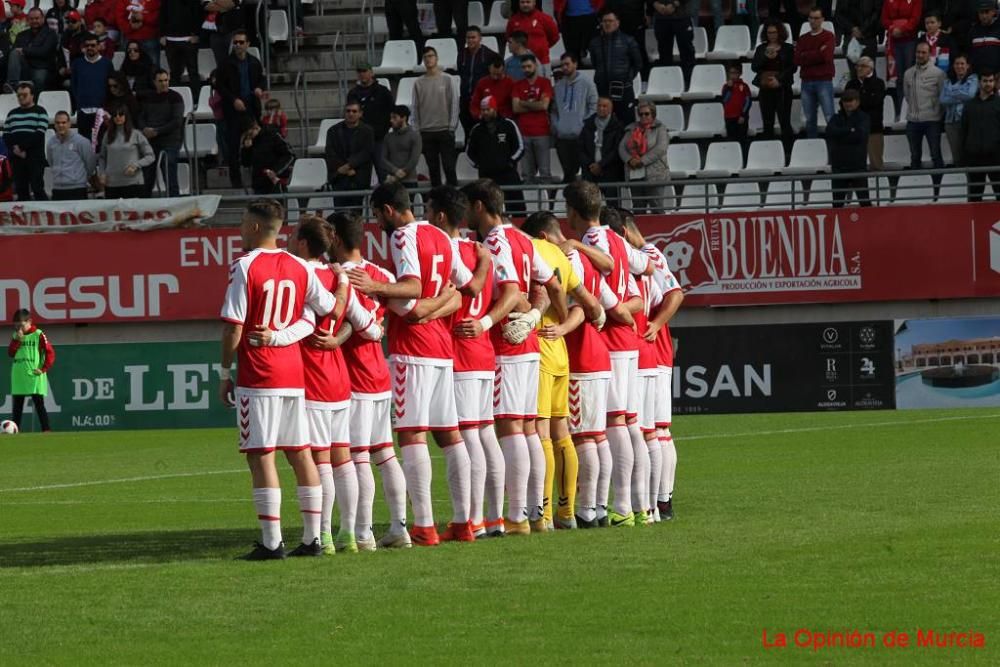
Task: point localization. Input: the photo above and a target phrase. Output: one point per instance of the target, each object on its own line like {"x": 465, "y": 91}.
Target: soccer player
{"x": 517, "y": 267}
{"x": 475, "y": 365}
{"x": 33, "y": 356}
{"x": 421, "y": 357}
{"x": 371, "y": 391}
{"x": 617, "y": 261}
{"x": 269, "y": 289}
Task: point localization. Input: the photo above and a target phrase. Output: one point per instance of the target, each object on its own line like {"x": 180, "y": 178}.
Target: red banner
{"x": 725, "y": 259}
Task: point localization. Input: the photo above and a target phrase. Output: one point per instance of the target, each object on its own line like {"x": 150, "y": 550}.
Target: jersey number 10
{"x": 278, "y": 304}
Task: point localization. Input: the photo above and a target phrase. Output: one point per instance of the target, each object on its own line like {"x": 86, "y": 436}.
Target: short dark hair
{"x": 734, "y": 65}
{"x": 520, "y": 37}
{"x": 315, "y": 231}
{"x": 613, "y": 220}
{"x": 817, "y": 8}
{"x": 474, "y": 28}
{"x": 987, "y": 71}
{"x": 353, "y": 103}
{"x": 20, "y": 314}
{"x": 528, "y": 58}
{"x": 159, "y": 71}
{"x": 267, "y": 211}
{"x": 62, "y": 113}
{"x": 583, "y": 197}
{"x": 628, "y": 217}
{"x": 429, "y": 49}
{"x": 239, "y": 31}
{"x": 540, "y": 222}
{"x": 496, "y": 61}
{"x": 572, "y": 56}
{"x": 88, "y": 37}
{"x": 26, "y": 84}
{"x": 99, "y": 19}
{"x": 487, "y": 192}
{"x": 450, "y": 201}
{"x": 935, "y": 13}
{"x": 391, "y": 194}
{"x": 350, "y": 229}
{"x": 401, "y": 110}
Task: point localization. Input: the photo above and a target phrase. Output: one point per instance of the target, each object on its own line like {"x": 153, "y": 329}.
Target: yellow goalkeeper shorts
{"x": 553, "y": 395}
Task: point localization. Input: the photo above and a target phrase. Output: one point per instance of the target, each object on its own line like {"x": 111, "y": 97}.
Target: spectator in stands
{"x": 631, "y": 20}
{"x": 494, "y": 148}
{"x": 35, "y": 51}
{"x": 616, "y": 59}
{"x": 498, "y": 86}
{"x": 814, "y": 55}
{"x": 446, "y": 11}
{"x": 598, "y": 146}
{"x": 376, "y": 104}
{"x": 473, "y": 65}
{"x": 138, "y": 69}
{"x": 643, "y": 150}
{"x": 517, "y": 44}
{"x": 350, "y": 156}
{"x": 959, "y": 88}
{"x": 957, "y": 16}
{"x": 140, "y": 20}
{"x": 17, "y": 20}
{"x": 530, "y": 98}
{"x": 105, "y": 10}
{"x": 435, "y": 115}
{"x": 942, "y": 46}
{"x": 240, "y": 81}
{"x": 577, "y": 21}
{"x": 106, "y": 44}
{"x": 871, "y": 90}
{"x": 575, "y": 100}
{"x": 180, "y": 26}
{"x": 984, "y": 38}
{"x": 72, "y": 160}
{"x": 124, "y": 153}
{"x": 736, "y": 102}
{"x": 401, "y": 149}
{"x": 119, "y": 94}
{"x": 672, "y": 21}
{"x": 161, "y": 120}
{"x": 922, "y": 86}
{"x": 70, "y": 42}
{"x": 55, "y": 18}
{"x": 222, "y": 19}
{"x": 541, "y": 30}
{"x": 774, "y": 65}
{"x": 268, "y": 156}
{"x": 847, "y": 143}
{"x": 88, "y": 84}
{"x": 400, "y": 14}
{"x": 860, "y": 20}
{"x": 274, "y": 116}
{"x": 24, "y": 134}
{"x": 981, "y": 136}
{"x": 901, "y": 20}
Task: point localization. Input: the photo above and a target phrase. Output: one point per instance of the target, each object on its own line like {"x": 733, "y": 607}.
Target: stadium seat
{"x": 308, "y": 175}
{"x": 183, "y": 180}
{"x": 797, "y": 83}
{"x": 700, "y": 44}
{"x": 277, "y": 26}
{"x": 465, "y": 170}
{"x": 652, "y": 46}
{"x": 896, "y": 153}
{"x": 323, "y": 206}
{"x": 54, "y": 101}
{"x": 555, "y": 165}
{"x": 797, "y": 118}
{"x": 187, "y": 96}
{"x": 200, "y": 140}
{"x": 841, "y": 75}
{"x": 820, "y": 193}
{"x": 779, "y": 196}
{"x": 748, "y": 77}
{"x": 671, "y": 115}
{"x": 732, "y": 42}
{"x": 447, "y": 52}
{"x": 489, "y": 41}
{"x": 206, "y": 62}
{"x": 724, "y": 158}
{"x": 683, "y": 160}
{"x": 8, "y": 102}
{"x": 889, "y": 114}
{"x": 117, "y": 58}
{"x": 765, "y": 158}
{"x": 319, "y": 147}
{"x": 954, "y": 189}
{"x": 755, "y": 123}
{"x": 914, "y": 190}
{"x": 706, "y": 83}
{"x": 497, "y": 23}
{"x": 946, "y": 155}
{"x": 399, "y": 56}
{"x": 255, "y": 52}
{"x": 665, "y": 83}
{"x": 203, "y": 110}
{"x": 477, "y": 14}
{"x": 741, "y": 196}
{"x": 404, "y": 91}
{"x": 698, "y": 197}
{"x": 808, "y": 157}
{"x": 705, "y": 121}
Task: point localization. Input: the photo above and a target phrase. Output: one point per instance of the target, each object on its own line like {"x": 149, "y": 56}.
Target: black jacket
{"x": 957, "y": 15}
{"x": 786, "y": 64}
{"x": 356, "y": 148}
{"x": 181, "y": 18}
{"x": 269, "y": 151}
{"x": 376, "y": 102}
{"x": 472, "y": 68}
{"x": 616, "y": 59}
{"x": 495, "y": 147}
{"x": 864, "y": 14}
{"x": 847, "y": 141}
{"x": 984, "y": 52}
{"x": 228, "y": 82}
{"x": 981, "y": 130}
{"x": 165, "y": 114}
{"x": 682, "y": 9}
{"x": 611, "y": 163}
{"x": 631, "y": 13}
{"x": 41, "y": 48}
{"x": 872, "y": 91}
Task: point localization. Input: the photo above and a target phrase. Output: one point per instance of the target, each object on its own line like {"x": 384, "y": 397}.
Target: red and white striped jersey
{"x": 366, "y": 364}
{"x": 515, "y": 261}
{"x": 627, "y": 260}
{"x": 272, "y": 288}
{"x": 651, "y": 299}
{"x": 588, "y": 353}
{"x": 473, "y": 354}
{"x": 667, "y": 283}
{"x": 422, "y": 251}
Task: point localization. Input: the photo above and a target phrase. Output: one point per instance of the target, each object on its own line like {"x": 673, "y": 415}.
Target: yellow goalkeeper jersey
{"x": 555, "y": 359}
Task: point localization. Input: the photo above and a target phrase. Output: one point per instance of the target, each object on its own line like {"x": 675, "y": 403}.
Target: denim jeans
{"x": 816, "y": 93}
{"x": 915, "y": 133}
{"x": 905, "y": 54}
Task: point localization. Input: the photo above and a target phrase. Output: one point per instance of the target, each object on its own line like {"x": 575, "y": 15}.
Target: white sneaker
{"x": 656, "y": 515}
{"x": 395, "y": 541}
{"x": 367, "y": 544}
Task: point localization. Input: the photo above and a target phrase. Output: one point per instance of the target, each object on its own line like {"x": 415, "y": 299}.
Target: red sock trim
{"x": 266, "y": 517}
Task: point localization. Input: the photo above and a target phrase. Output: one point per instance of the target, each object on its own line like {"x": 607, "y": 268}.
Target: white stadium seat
{"x": 683, "y": 160}
{"x": 724, "y": 158}
{"x": 706, "y": 82}
{"x": 820, "y": 193}
{"x": 8, "y": 102}
{"x": 748, "y": 77}
{"x": 742, "y": 196}
{"x": 447, "y": 52}
{"x": 187, "y": 96}
{"x": 954, "y": 189}
{"x": 700, "y": 44}
{"x": 705, "y": 121}
{"x": 319, "y": 147}
{"x": 896, "y": 152}
{"x": 809, "y": 156}
{"x": 765, "y": 158}
{"x": 54, "y": 101}
{"x": 308, "y": 175}
{"x": 399, "y": 56}
{"x": 672, "y": 116}
{"x": 277, "y": 26}
{"x": 914, "y": 190}
{"x": 698, "y": 197}
{"x": 665, "y": 83}
{"x": 497, "y": 23}
{"x": 779, "y": 196}
{"x": 404, "y": 91}
{"x": 203, "y": 110}
{"x": 732, "y": 42}
{"x": 203, "y": 136}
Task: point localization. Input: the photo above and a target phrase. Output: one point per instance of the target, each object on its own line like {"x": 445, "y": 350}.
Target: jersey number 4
{"x": 279, "y": 300}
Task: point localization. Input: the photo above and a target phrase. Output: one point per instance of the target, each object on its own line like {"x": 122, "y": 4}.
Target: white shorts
{"x": 664, "y": 397}
{"x": 370, "y": 426}
{"x": 515, "y": 389}
{"x": 423, "y": 397}
{"x": 473, "y": 400}
{"x": 623, "y": 395}
{"x": 268, "y": 423}
{"x": 329, "y": 426}
{"x": 588, "y": 405}
{"x": 647, "y": 402}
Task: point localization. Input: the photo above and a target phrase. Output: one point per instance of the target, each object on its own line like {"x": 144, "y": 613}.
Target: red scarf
{"x": 637, "y": 144}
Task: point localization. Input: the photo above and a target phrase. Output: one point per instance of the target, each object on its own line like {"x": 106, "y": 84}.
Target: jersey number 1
{"x": 278, "y": 303}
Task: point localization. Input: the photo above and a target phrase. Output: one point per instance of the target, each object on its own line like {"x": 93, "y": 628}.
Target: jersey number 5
{"x": 436, "y": 262}
{"x": 278, "y": 304}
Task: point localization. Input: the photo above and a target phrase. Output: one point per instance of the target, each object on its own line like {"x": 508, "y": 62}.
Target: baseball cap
{"x": 983, "y": 5}
{"x": 73, "y": 15}
{"x": 489, "y": 102}
{"x": 19, "y": 3}
{"x": 363, "y": 67}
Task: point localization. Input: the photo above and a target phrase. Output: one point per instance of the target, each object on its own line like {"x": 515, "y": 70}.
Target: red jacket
{"x": 150, "y": 28}
{"x": 541, "y": 29}
{"x": 559, "y": 7}
{"x": 533, "y": 123}
{"x": 908, "y": 12}
{"x": 498, "y": 89}
{"x": 736, "y": 100}
{"x": 814, "y": 56}
{"x": 102, "y": 9}
{"x": 50, "y": 352}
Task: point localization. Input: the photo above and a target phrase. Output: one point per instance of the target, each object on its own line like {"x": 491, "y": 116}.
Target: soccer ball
{"x": 7, "y": 427}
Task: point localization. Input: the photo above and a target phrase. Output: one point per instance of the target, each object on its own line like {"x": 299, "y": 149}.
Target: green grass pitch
{"x": 115, "y": 548}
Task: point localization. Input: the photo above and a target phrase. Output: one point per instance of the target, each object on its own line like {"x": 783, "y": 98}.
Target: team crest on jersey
{"x": 502, "y": 138}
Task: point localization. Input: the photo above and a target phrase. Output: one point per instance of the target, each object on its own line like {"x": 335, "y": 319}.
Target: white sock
{"x": 457, "y": 461}
{"x": 329, "y": 495}
{"x": 517, "y": 468}
{"x": 311, "y": 506}
{"x": 267, "y": 501}
{"x": 603, "y": 477}
{"x": 345, "y": 478}
{"x": 622, "y": 460}
{"x": 366, "y": 495}
{"x": 586, "y": 481}
{"x": 477, "y": 474}
{"x": 393, "y": 486}
{"x": 417, "y": 469}
{"x": 669, "y": 466}
{"x": 640, "y": 469}
{"x": 655, "y": 468}
{"x": 495, "y": 473}
{"x": 536, "y": 476}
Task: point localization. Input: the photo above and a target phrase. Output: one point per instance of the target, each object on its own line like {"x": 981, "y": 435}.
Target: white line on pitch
{"x": 123, "y": 480}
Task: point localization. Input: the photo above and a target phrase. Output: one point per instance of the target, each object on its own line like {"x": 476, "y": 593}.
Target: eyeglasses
{"x": 645, "y": 113}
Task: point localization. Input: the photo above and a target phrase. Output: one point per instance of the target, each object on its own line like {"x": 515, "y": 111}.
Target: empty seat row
{"x": 725, "y": 158}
